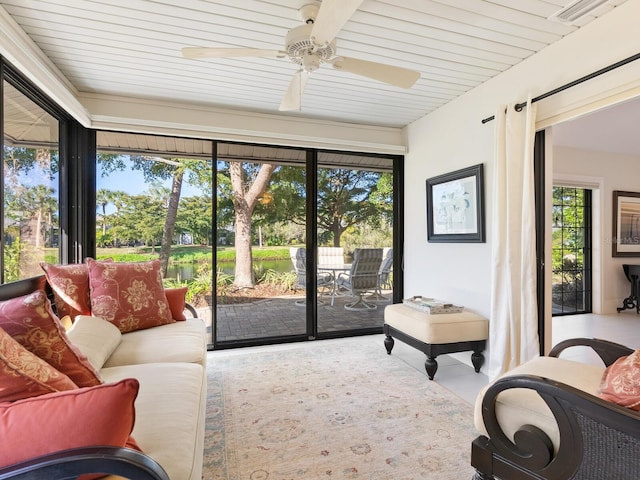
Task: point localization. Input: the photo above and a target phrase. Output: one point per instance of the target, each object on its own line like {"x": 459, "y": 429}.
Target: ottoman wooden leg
{"x": 388, "y": 344}
{"x": 431, "y": 366}
{"x": 477, "y": 359}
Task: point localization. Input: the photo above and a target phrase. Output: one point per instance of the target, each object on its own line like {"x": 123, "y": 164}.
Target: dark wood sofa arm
{"x": 69, "y": 464}
{"x": 191, "y": 309}
{"x": 608, "y": 351}
{"x": 598, "y": 439}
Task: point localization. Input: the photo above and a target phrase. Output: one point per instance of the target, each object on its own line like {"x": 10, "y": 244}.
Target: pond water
{"x": 186, "y": 271}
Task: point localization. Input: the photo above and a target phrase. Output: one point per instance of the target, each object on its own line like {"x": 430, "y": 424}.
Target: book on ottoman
{"x": 431, "y": 305}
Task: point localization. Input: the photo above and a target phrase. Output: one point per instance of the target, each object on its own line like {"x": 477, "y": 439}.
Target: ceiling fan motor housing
{"x": 303, "y": 51}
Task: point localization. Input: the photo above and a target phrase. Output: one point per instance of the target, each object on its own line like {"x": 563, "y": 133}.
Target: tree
{"x": 344, "y": 199}
{"x": 30, "y": 207}
{"x": 244, "y": 185}
{"x": 195, "y": 216}
{"x": 155, "y": 168}
{"x": 104, "y": 198}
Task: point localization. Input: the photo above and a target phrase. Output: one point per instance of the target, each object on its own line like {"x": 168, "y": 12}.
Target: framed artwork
{"x": 455, "y": 206}
{"x": 626, "y": 224}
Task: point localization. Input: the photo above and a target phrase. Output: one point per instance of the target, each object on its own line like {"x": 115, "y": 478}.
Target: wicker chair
{"x": 545, "y": 421}
{"x": 362, "y": 278}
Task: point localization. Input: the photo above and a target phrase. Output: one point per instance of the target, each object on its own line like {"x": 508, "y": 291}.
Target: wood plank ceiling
{"x": 133, "y": 48}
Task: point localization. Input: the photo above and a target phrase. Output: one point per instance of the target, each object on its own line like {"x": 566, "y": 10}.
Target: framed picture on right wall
{"x": 455, "y": 206}
{"x": 626, "y": 224}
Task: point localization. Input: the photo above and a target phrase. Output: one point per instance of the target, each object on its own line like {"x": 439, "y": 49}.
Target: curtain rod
{"x": 519, "y": 106}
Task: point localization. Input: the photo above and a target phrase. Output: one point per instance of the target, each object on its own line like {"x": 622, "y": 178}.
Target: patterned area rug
{"x": 331, "y": 410}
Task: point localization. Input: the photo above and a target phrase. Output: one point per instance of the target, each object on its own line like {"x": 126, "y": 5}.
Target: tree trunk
{"x": 38, "y": 238}
{"x": 170, "y": 222}
{"x": 104, "y": 220}
{"x": 244, "y": 201}
{"x": 337, "y": 232}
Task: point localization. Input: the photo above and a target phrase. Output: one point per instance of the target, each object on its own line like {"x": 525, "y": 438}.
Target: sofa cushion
{"x": 24, "y": 375}
{"x": 76, "y": 418}
{"x": 95, "y": 337}
{"x": 130, "y": 295}
{"x": 170, "y": 414}
{"x": 621, "y": 382}
{"x": 30, "y": 320}
{"x": 177, "y": 299}
{"x": 518, "y": 407}
{"x": 176, "y": 342}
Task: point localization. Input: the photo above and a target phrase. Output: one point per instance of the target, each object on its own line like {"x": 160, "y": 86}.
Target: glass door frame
{"x": 311, "y": 307}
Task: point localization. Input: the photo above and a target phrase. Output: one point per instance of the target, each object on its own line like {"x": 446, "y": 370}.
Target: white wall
{"x": 454, "y": 137}
{"x": 618, "y": 172}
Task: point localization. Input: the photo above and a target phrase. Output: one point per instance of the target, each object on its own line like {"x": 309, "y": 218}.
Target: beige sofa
{"x": 169, "y": 361}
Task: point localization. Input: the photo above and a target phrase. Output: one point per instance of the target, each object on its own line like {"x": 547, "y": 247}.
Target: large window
{"x": 70, "y": 192}
{"x": 154, "y": 201}
{"x": 31, "y": 229}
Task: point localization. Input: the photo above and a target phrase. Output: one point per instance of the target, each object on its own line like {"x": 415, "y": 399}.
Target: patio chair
{"x": 324, "y": 280}
{"x": 384, "y": 277}
{"x": 362, "y": 278}
{"x": 330, "y": 256}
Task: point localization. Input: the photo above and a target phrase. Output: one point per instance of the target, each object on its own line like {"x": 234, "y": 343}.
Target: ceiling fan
{"x": 313, "y": 44}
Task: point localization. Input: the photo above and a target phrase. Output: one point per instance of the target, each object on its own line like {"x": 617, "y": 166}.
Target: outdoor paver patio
{"x": 280, "y": 316}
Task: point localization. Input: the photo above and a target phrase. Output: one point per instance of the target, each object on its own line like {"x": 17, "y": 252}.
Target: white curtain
{"x": 513, "y": 333}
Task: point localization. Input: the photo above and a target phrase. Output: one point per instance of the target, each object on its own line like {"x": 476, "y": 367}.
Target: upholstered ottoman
{"x": 436, "y": 334}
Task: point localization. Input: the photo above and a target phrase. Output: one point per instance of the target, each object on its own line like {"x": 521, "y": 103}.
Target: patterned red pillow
{"x": 621, "y": 382}
{"x": 70, "y": 285}
{"x": 24, "y": 375}
{"x": 31, "y": 322}
{"x": 130, "y": 295}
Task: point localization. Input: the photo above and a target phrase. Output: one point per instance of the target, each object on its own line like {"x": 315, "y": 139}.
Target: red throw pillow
{"x": 129, "y": 295}
{"x": 31, "y": 322}
{"x": 24, "y": 375}
{"x": 70, "y": 286}
{"x": 621, "y": 382}
{"x": 84, "y": 417}
{"x": 177, "y": 299}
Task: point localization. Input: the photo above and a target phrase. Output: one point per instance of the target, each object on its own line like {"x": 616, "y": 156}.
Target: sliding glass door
{"x": 354, "y": 233}
{"x": 261, "y": 266}
{"x": 289, "y": 222}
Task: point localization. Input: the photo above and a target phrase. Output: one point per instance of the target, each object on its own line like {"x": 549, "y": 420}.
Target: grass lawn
{"x": 189, "y": 253}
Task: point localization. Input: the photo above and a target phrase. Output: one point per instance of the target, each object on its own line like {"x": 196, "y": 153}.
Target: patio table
{"x": 334, "y": 270}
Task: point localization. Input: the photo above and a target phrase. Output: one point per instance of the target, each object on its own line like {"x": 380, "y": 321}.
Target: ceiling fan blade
{"x": 332, "y": 16}
{"x": 292, "y": 99}
{"x": 398, "y": 76}
{"x": 213, "y": 52}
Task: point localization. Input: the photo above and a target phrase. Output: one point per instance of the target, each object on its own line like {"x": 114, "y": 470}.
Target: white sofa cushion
{"x": 518, "y": 407}
{"x": 175, "y": 342}
{"x": 95, "y": 337}
{"x": 170, "y": 414}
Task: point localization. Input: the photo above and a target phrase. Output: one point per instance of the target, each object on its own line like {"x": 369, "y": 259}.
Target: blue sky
{"x": 133, "y": 183}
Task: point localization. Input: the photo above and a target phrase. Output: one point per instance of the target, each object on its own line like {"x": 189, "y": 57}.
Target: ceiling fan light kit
{"x": 312, "y": 44}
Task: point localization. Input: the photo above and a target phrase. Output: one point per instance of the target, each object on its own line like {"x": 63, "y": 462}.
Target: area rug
{"x": 331, "y": 410}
